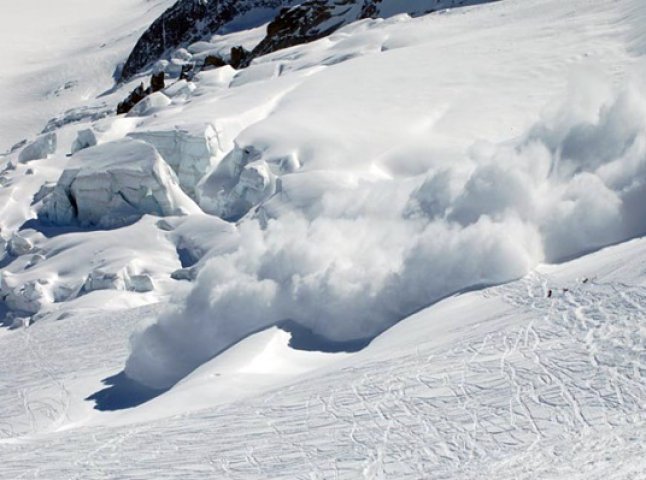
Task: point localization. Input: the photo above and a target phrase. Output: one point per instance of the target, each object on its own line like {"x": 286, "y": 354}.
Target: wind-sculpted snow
{"x": 374, "y": 253}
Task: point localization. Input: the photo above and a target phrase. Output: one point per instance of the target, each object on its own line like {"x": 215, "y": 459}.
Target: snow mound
{"x": 363, "y": 257}
{"x": 121, "y": 280}
{"x": 114, "y": 184}
{"x": 241, "y": 181}
{"x": 39, "y": 148}
{"x": 85, "y": 138}
{"x": 149, "y": 105}
{"x": 190, "y": 151}
{"x": 18, "y": 245}
{"x": 181, "y": 88}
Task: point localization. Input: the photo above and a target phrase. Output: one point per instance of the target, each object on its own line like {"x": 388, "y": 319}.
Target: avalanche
{"x": 405, "y": 247}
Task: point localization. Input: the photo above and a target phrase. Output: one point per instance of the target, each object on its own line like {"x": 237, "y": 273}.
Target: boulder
{"x": 157, "y": 81}
{"x": 138, "y": 94}
{"x": 240, "y": 57}
{"x": 188, "y": 72}
{"x": 213, "y": 61}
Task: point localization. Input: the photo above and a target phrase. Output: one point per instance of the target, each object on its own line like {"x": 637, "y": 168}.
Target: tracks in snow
{"x": 555, "y": 386}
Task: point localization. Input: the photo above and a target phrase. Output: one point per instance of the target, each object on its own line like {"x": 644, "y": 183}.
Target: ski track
{"x": 556, "y": 389}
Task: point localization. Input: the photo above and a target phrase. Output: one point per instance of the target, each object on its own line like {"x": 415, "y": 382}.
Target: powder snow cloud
{"x": 357, "y": 259}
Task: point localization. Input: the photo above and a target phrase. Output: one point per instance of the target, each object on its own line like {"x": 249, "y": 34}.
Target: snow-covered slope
{"x": 58, "y": 55}
{"x": 503, "y": 383}
{"x": 364, "y": 256}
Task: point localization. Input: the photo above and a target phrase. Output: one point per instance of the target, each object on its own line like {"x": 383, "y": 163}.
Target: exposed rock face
{"x": 316, "y": 19}
{"x": 189, "y": 21}
{"x": 304, "y": 23}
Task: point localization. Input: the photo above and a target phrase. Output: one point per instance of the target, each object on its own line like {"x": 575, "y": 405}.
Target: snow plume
{"x": 374, "y": 253}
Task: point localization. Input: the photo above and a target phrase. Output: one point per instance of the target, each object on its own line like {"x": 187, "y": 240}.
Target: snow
{"x": 59, "y": 56}
{"x": 114, "y": 184}
{"x": 190, "y": 151}
{"x": 501, "y": 382}
{"x": 39, "y": 148}
{"x": 350, "y": 258}
{"x": 85, "y": 138}
{"x": 447, "y": 210}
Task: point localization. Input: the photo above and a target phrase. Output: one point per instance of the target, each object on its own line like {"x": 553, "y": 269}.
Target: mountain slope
{"x": 189, "y": 21}
{"x": 410, "y": 249}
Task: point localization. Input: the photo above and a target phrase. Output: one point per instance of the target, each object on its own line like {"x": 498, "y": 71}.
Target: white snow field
{"x": 410, "y": 250}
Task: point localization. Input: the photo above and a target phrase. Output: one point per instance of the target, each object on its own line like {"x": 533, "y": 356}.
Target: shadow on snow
{"x": 121, "y": 393}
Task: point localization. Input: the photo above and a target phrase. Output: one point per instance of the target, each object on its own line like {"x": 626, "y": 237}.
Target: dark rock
{"x": 301, "y": 24}
{"x": 131, "y": 100}
{"x": 314, "y": 19}
{"x": 157, "y": 82}
{"x": 188, "y": 72}
{"x": 188, "y": 21}
{"x": 213, "y": 61}
{"x": 240, "y": 58}
{"x": 191, "y": 20}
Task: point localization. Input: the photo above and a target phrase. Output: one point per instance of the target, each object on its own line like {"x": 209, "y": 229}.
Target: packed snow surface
{"x": 189, "y": 285}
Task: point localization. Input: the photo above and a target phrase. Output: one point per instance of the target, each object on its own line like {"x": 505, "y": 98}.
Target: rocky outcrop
{"x": 316, "y": 19}
{"x": 137, "y": 95}
{"x": 191, "y": 20}
{"x": 304, "y": 23}
{"x": 157, "y": 82}
{"x": 213, "y": 61}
